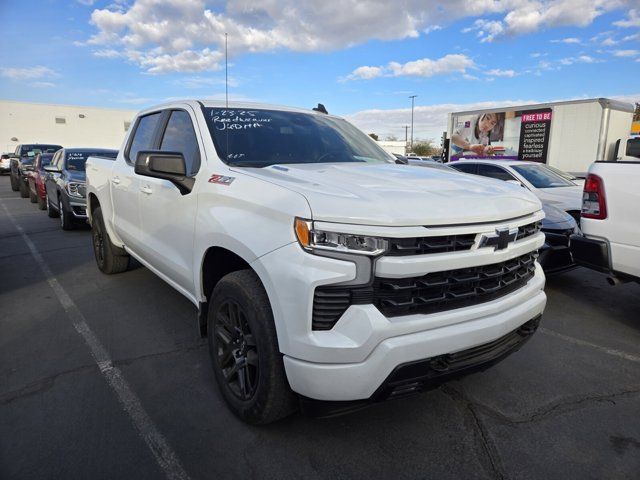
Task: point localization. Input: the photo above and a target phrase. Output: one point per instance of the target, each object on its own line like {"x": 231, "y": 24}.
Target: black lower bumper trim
{"x": 590, "y": 253}
{"x": 427, "y": 374}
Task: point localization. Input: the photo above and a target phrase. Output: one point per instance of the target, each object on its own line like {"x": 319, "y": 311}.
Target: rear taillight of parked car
{"x": 594, "y": 203}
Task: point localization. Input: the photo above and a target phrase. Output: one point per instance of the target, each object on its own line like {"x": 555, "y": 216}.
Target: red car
{"x": 36, "y": 179}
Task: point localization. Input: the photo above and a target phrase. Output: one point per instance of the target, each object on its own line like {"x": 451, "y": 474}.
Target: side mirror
{"x": 166, "y": 166}
{"x": 515, "y": 182}
{"x": 51, "y": 169}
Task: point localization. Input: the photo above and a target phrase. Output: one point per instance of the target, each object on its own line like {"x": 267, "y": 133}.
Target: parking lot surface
{"x": 567, "y": 405}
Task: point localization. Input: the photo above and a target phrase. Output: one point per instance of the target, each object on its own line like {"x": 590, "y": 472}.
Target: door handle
{"x": 116, "y": 180}
{"x": 147, "y": 190}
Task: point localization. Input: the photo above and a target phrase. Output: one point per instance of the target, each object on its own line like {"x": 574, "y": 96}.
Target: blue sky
{"x": 362, "y": 59}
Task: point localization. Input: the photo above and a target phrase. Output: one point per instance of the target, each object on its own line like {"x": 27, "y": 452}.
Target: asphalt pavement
{"x": 106, "y": 377}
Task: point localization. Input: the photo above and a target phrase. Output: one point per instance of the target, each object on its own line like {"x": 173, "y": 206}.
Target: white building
{"x": 393, "y": 146}
{"x": 66, "y": 125}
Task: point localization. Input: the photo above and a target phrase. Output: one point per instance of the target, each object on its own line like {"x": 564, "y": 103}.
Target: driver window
{"x": 179, "y": 136}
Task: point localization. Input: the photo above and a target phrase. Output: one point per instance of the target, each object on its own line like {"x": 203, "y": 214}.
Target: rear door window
{"x": 465, "y": 167}
{"x": 493, "y": 171}
{"x": 143, "y": 136}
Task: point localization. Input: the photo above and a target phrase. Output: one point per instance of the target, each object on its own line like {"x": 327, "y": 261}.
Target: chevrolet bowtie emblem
{"x": 500, "y": 240}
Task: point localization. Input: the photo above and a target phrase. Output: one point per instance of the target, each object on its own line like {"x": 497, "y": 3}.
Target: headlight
{"x": 312, "y": 239}
{"x": 76, "y": 189}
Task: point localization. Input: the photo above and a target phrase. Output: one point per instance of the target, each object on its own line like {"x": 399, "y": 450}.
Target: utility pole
{"x": 412, "y": 97}
{"x": 406, "y": 139}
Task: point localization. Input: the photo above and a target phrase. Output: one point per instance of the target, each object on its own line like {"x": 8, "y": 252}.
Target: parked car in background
{"x": 323, "y": 273}
{"x": 5, "y": 163}
{"x": 559, "y": 222}
{"x": 431, "y": 164}
{"x": 37, "y": 178}
{"x": 26, "y": 153}
{"x": 545, "y": 183}
{"x": 65, "y": 184}
{"x": 611, "y": 220}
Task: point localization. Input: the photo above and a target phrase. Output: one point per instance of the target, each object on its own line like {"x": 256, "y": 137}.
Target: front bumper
{"x": 78, "y": 207}
{"x": 422, "y": 375}
{"x": 361, "y": 380}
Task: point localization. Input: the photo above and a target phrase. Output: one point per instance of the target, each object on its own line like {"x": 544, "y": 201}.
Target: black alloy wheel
{"x": 98, "y": 244}
{"x": 237, "y": 353}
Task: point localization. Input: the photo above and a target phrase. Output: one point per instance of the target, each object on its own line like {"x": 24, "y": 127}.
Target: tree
{"x": 636, "y": 116}
{"x": 391, "y": 138}
{"x": 374, "y": 136}
{"x": 425, "y": 149}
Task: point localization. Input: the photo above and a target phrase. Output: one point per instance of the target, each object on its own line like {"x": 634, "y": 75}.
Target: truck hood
{"x": 567, "y": 198}
{"x": 399, "y": 195}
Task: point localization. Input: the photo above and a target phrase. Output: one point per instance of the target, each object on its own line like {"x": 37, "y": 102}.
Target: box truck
{"x": 567, "y": 135}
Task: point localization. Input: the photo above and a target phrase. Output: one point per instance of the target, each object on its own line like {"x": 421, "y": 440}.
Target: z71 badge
{"x": 221, "y": 179}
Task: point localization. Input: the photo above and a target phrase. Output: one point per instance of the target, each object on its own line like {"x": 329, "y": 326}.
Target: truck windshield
{"x": 542, "y": 177}
{"x": 259, "y": 138}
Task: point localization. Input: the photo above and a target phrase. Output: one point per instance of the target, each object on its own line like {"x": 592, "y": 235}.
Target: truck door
{"x": 167, "y": 216}
{"x": 125, "y": 184}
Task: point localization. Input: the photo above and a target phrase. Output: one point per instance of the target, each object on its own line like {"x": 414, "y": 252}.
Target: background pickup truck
{"x": 324, "y": 274}
{"x": 610, "y": 218}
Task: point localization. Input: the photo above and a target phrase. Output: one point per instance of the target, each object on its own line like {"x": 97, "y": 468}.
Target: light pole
{"x": 406, "y": 129}
{"x": 412, "y": 97}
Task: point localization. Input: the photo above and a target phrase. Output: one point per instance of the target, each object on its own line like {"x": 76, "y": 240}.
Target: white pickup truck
{"x": 324, "y": 274}
{"x": 610, "y": 217}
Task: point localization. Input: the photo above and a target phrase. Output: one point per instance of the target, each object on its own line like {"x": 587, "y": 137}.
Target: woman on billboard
{"x": 476, "y": 135}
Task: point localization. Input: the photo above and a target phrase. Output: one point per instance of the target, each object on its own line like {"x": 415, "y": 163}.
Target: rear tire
{"x": 243, "y": 346}
{"x": 42, "y": 204}
{"x": 50, "y": 211}
{"x": 33, "y": 198}
{"x": 110, "y": 259}
{"x": 24, "y": 189}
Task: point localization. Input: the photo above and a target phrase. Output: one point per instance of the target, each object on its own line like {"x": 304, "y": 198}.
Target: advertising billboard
{"x": 512, "y": 135}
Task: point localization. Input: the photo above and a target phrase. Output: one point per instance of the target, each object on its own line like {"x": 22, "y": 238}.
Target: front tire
{"x": 110, "y": 259}
{"x": 42, "y": 204}
{"x": 244, "y": 352}
{"x": 66, "y": 217}
{"x": 33, "y": 198}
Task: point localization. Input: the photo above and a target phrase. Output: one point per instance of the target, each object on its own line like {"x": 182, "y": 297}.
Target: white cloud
{"x": 188, "y": 35}
{"x": 578, "y": 59}
{"x": 86, "y": 2}
{"x": 366, "y": 73}
{"x": 431, "y": 28}
{"x": 609, "y": 42}
{"x": 200, "y": 82}
{"x": 426, "y": 67}
{"x": 496, "y": 72}
{"x": 629, "y": 38}
{"x": 632, "y": 21}
{"x": 626, "y": 53}
{"x": 567, "y": 40}
{"x": 486, "y": 30}
{"x": 107, "y": 53}
{"x": 27, "y": 73}
{"x": 42, "y": 84}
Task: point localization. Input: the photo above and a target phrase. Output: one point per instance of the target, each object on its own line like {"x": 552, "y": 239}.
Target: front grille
{"x": 525, "y": 231}
{"x": 439, "y": 291}
{"x": 425, "y": 245}
{"x": 434, "y": 292}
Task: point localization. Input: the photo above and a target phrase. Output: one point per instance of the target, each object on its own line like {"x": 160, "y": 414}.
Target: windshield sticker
{"x": 221, "y": 179}
{"x": 238, "y": 119}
